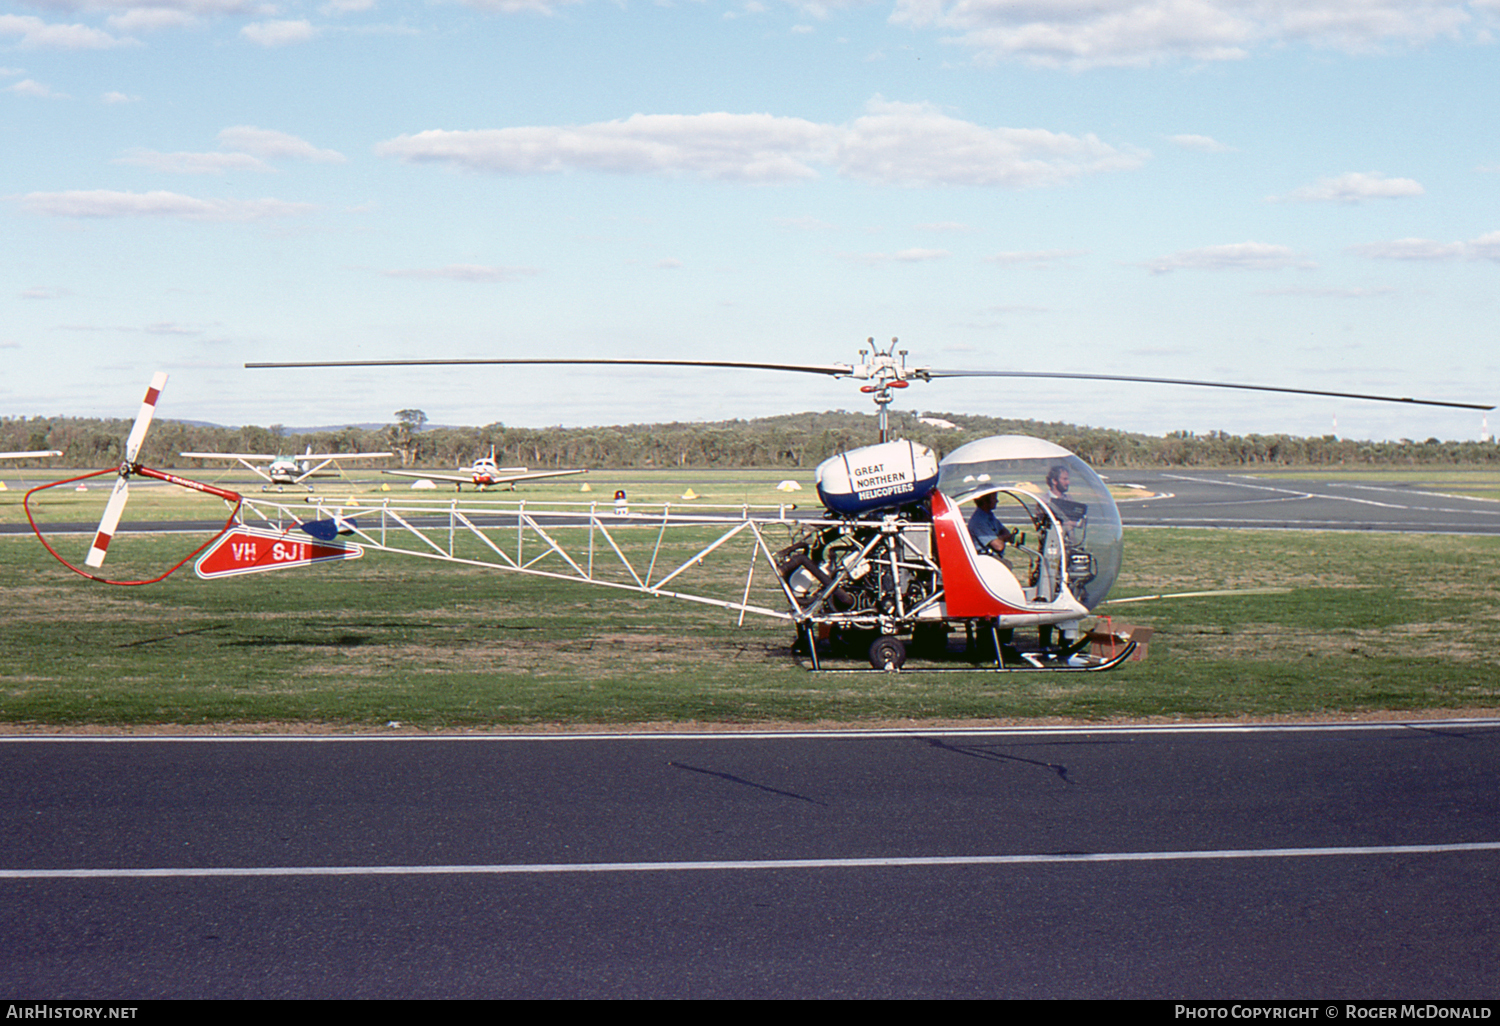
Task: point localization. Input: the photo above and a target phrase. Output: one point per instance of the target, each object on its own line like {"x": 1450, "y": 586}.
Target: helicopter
{"x": 893, "y": 563}
{"x": 895, "y": 559}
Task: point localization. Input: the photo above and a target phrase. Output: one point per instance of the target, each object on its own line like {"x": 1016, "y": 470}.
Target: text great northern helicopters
{"x": 893, "y": 562}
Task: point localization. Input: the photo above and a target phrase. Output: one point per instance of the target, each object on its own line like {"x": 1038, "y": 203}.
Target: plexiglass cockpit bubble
{"x": 1046, "y": 473}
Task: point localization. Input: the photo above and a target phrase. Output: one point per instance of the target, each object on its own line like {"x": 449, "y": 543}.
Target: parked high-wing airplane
{"x": 485, "y": 473}
{"x": 286, "y": 470}
{"x": 30, "y": 455}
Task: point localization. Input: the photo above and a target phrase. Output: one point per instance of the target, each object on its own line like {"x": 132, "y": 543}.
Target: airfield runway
{"x": 1224, "y": 499}
{"x": 1349, "y": 861}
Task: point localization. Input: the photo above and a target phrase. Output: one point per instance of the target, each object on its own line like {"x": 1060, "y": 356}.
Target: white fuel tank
{"x": 876, "y": 476}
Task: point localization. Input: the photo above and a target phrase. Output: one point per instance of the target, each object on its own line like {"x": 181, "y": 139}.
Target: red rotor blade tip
{"x": 143, "y": 418}
{"x": 108, "y": 523}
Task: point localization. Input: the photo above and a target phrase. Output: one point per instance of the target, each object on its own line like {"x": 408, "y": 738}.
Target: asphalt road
{"x": 1353, "y": 862}
{"x": 1221, "y": 499}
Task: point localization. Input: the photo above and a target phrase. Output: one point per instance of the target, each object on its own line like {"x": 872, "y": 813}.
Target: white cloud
{"x": 170, "y": 328}
{"x": 736, "y": 147}
{"x": 151, "y": 19}
{"x": 914, "y": 144}
{"x": 243, "y": 146}
{"x": 117, "y": 97}
{"x": 890, "y": 144}
{"x": 1035, "y": 257}
{"x": 34, "y": 33}
{"x": 250, "y": 8}
{"x": 465, "y": 272}
{"x": 518, "y": 6}
{"x": 823, "y": 9}
{"x": 193, "y": 163}
{"x": 1358, "y": 292}
{"x": 1244, "y": 256}
{"x": 906, "y": 256}
{"x": 278, "y": 33}
{"x": 1066, "y": 33}
{"x": 1354, "y": 187}
{"x": 104, "y": 203}
{"x": 1485, "y": 247}
{"x": 1201, "y": 143}
{"x": 265, "y": 142}
{"x": 33, "y": 88}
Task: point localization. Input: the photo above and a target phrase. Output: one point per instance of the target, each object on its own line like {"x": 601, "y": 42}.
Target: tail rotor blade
{"x": 143, "y": 420}
{"x": 108, "y": 523}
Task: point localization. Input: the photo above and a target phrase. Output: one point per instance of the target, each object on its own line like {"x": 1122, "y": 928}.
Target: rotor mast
{"x": 886, "y": 370}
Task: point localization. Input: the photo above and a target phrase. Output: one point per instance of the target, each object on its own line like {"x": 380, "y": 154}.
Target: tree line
{"x": 800, "y": 440}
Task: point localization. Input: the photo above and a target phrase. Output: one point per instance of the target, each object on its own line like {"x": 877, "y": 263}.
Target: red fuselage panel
{"x": 963, "y": 590}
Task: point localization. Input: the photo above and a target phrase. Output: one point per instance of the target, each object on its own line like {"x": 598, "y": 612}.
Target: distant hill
{"x": 789, "y": 440}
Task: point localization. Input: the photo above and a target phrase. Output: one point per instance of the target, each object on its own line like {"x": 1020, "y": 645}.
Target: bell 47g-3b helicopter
{"x": 1004, "y": 533}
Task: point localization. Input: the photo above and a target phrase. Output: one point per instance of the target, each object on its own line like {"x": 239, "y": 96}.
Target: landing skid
{"x": 1064, "y": 661}
{"x": 1029, "y": 667}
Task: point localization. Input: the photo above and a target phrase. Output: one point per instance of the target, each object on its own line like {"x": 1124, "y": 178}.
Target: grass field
{"x": 1368, "y": 622}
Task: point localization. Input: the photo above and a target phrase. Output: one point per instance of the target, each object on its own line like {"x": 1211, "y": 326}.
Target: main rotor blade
{"x": 831, "y": 369}
{"x": 108, "y": 523}
{"x": 932, "y": 373}
{"x": 143, "y": 419}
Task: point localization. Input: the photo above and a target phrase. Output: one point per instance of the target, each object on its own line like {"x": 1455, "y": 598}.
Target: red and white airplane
{"x": 486, "y": 473}
{"x": 286, "y": 470}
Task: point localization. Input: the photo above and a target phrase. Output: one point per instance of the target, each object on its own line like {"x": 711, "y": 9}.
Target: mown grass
{"x": 1369, "y": 622}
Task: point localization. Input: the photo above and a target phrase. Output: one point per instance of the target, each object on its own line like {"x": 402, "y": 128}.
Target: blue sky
{"x": 1285, "y": 192}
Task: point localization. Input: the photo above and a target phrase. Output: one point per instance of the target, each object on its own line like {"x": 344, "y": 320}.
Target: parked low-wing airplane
{"x": 286, "y": 470}
{"x": 486, "y": 473}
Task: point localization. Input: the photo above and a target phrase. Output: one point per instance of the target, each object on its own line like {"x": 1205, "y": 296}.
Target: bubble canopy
{"x": 1027, "y": 465}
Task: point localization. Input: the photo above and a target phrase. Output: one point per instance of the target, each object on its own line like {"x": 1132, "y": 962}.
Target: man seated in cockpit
{"x": 989, "y": 534}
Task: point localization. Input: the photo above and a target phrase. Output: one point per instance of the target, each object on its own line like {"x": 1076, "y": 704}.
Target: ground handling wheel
{"x": 887, "y": 653}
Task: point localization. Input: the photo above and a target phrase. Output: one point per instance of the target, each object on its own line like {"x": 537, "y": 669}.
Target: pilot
{"x": 1069, "y": 512}
{"x": 991, "y": 537}
{"x": 1057, "y": 482}
{"x": 989, "y": 534}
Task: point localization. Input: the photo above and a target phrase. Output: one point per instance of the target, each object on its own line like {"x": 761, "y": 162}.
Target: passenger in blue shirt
{"x": 991, "y": 537}
{"x": 989, "y": 534}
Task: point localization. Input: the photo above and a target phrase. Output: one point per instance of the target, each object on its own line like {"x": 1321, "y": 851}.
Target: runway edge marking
{"x": 667, "y": 867}
{"x": 757, "y": 735}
